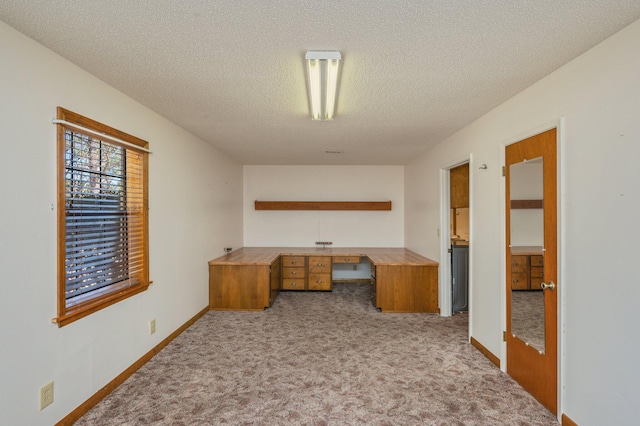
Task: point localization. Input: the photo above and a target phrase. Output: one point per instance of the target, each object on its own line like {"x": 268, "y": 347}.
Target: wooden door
{"x": 532, "y": 341}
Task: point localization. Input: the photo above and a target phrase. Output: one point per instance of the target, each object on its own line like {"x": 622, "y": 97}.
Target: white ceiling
{"x": 232, "y": 71}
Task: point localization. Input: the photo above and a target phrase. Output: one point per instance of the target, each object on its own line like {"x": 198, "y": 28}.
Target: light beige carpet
{"x": 320, "y": 359}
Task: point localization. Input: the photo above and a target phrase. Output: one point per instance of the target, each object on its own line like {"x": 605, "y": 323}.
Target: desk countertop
{"x": 377, "y": 255}
{"x": 526, "y": 250}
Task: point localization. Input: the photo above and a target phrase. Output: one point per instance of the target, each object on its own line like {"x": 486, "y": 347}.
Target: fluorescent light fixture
{"x": 322, "y": 72}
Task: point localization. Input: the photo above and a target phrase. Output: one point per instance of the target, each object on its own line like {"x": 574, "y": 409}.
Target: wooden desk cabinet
{"x": 240, "y": 287}
{"x": 250, "y": 278}
{"x": 520, "y": 272}
{"x": 527, "y": 269}
{"x": 405, "y": 288}
{"x": 306, "y": 273}
{"x": 294, "y": 272}
{"x": 320, "y": 273}
{"x": 275, "y": 279}
{"x": 536, "y": 272}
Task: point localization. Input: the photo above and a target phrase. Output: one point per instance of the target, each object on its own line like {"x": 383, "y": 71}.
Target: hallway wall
{"x": 596, "y": 98}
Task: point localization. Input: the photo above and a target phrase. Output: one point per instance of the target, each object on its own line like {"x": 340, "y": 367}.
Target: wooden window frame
{"x": 113, "y": 293}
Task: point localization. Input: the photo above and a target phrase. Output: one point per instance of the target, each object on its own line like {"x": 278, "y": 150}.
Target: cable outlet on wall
{"x": 46, "y": 395}
{"x": 152, "y": 326}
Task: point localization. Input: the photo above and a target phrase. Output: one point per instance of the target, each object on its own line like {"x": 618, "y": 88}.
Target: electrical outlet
{"x": 152, "y": 326}
{"x": 46, "y": 395}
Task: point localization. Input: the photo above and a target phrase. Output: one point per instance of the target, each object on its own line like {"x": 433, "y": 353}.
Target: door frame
{"x": 444, "y": 270}
{"x": 560, "y": 125}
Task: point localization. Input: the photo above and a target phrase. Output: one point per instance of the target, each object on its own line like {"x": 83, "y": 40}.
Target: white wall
{"x": 598, "y": 94}
{"x": 324, "y": 183}
{"x": 195, "y": 210}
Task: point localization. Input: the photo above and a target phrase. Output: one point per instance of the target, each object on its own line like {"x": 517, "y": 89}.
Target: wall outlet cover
{"x": 46, "y": 395}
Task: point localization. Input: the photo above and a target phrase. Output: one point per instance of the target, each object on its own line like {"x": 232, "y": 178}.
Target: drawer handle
{"x": 320, "y": 264}
{"x": 293, "y": 262}
{"x": 293, "y": 284}
{"x": 346, "y": 259}
{"x": 293, "y": 272}
{"x": 319, "y": 281}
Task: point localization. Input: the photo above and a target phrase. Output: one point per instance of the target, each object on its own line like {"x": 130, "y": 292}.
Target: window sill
{"x": 81, "y": 310}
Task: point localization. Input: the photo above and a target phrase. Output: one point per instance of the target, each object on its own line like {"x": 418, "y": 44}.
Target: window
{"x": 102, "y": 216}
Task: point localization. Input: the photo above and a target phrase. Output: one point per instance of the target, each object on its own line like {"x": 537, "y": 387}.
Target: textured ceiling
{"x": 232, "y": 71}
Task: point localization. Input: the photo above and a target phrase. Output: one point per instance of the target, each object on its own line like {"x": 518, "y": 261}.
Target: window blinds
{"x": 105, "y": 221}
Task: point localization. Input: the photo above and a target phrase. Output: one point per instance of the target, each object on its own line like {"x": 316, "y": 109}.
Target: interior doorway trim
{"x": 444, "y": 289}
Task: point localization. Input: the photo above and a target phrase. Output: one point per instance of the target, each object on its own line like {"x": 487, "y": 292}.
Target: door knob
{"x": 550, "y": 285}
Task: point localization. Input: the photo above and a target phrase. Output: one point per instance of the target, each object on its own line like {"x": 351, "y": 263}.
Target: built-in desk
{"x": 251, "y": 277}
{"x": 527, "y": 267}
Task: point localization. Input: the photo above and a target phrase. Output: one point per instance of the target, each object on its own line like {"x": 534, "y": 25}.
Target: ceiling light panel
{"x": 323, "y": 69}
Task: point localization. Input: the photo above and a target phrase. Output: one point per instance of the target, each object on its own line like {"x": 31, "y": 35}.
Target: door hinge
{"x": 504, "y": 336}
{"x": 503, "y": 171}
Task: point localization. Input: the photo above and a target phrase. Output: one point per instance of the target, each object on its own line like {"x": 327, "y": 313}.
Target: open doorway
{"x": 459, "y": 237}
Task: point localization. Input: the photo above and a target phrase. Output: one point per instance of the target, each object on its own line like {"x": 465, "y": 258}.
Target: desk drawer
{"x": 346, "y": 259}
{"x": 537, "y": 261}
{"x": 298, "y": 273}
{"x": 519, "y": 281}
{"x": 293, "y": 284}
{"x": 519, "y": 263}
{"x": 535, "y": 283}
{"x": 319, "y": 264}
{"x": 293, "y": 261}
{"x": 537, "y": 272}
{"x": 319, "y": 281}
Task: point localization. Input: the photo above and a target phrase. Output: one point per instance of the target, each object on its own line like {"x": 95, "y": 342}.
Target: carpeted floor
{"x": 320, "y": 359}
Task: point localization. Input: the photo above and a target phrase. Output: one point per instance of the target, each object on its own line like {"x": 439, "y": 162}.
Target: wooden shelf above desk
{"x": 323, "y": 205}
{"x": 527, "y": 204}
